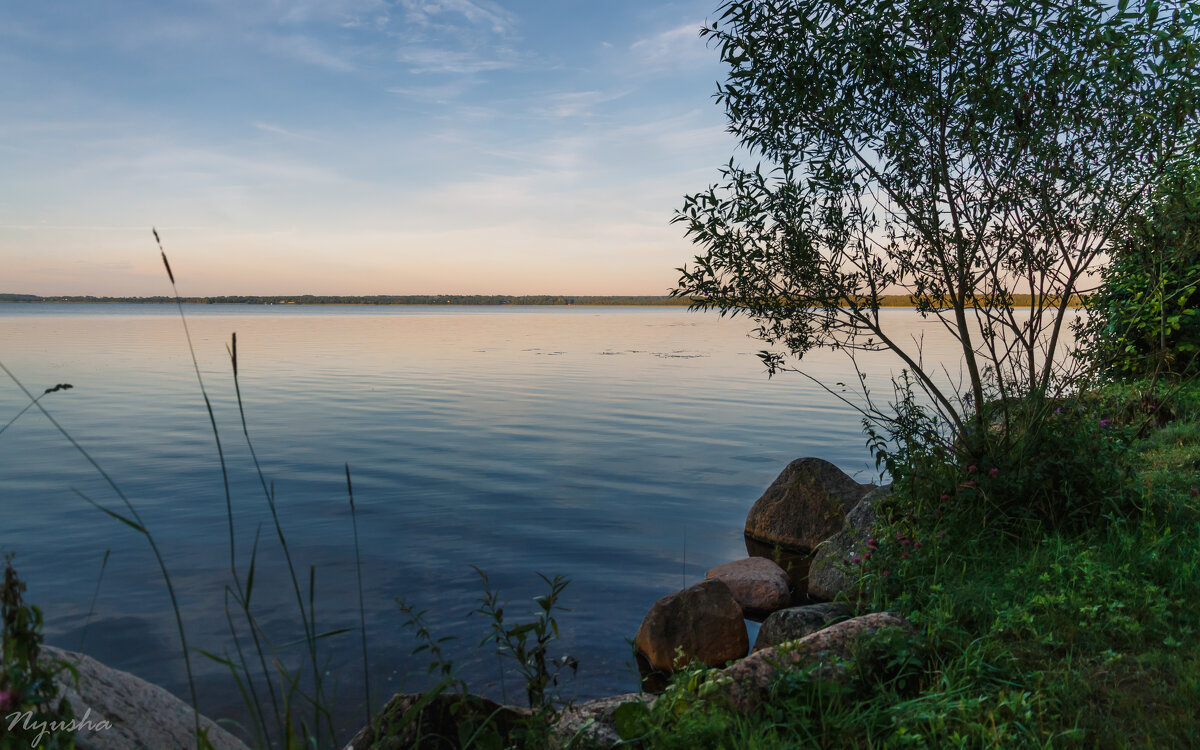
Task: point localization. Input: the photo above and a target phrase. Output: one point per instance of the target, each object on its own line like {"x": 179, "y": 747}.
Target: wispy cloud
{"x": 442, "y": 60}
{"x": 577, "y": 103}
{"x": 458, "y": 37}
{"x": 672, "y": 47}
{"x": 441, "y": 13}
{"x": 306, "y": 50}
{"x": 268, "y": 127}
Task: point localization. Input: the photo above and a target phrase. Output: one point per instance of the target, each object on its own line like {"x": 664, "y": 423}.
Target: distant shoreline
{"x": 897, "y": 300}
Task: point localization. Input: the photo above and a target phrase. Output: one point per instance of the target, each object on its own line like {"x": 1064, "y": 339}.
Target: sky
{"x": 353, "y": 146}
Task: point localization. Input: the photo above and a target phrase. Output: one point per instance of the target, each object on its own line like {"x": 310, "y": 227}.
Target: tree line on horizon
{"x": 887, "y": 300}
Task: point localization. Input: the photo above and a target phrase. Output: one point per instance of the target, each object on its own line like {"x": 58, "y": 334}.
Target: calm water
{"x": 620, "y": 447}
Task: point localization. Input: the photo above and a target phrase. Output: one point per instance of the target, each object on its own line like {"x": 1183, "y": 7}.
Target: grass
{"x": 1029, "y": 637}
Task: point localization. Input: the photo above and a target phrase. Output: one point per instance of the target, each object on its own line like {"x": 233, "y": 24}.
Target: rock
{"x": 124, "y": 712}
{"x": 435, "y": 725}
{"x": 591, "y": 724}
{"x": 794, "y": 623}
{"x": 803, "y": 507}
{"x": 748, "y": 682}
{"x": 703, "y": 620}
{"x": 759, "y": 585}
{"x": 828, "y": 576}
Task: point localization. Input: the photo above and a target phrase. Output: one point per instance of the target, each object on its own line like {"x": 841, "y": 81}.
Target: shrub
{"x": 30, "y": 712}
{"x": 1143, "y": 320}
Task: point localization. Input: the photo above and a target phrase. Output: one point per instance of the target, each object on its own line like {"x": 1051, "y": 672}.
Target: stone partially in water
{"x": 804, "y": 506}
{"x": 794, "y": 623}
{"x": 759, "y": 585}
{"x": 703, "y": 622}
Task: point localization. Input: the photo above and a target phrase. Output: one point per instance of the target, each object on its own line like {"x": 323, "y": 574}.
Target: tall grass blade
{"x": 95, "y": 596}
{"x": 362, "y": 612}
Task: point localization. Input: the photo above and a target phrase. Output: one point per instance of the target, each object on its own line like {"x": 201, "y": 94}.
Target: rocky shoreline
{"x": 799, "y": 535}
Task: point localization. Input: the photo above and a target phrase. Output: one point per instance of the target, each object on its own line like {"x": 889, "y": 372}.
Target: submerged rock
{"x": 759, "y": 585}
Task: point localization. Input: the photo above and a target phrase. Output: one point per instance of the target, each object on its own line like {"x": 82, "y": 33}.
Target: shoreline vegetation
{"x": 525, "y": 300}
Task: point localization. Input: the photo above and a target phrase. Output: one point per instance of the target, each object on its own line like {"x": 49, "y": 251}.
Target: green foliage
{"x": 1060, "y": 467}
{"x": 955, "y": 151}
{"x": 527, "y": 644}
{"x": 1143, "y": 320}
{"x": 31, "y": 713}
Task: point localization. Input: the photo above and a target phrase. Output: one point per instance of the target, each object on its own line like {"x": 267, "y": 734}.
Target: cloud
{"x": 306, "y": 50}
{"x": 477, "y": 13}
{"x": 576, "y": 103}
{"x": 280, "y": 130}
{"x": 441, "y": 60}
{"x": 458, "y": 37}
{"x": 672, "y": 48}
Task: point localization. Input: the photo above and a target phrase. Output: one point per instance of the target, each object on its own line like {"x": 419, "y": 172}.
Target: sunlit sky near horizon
{"x": 353, "y": 146}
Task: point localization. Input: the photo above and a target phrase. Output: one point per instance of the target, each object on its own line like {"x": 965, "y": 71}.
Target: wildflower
{"x": 969, "y": 484}
{"x": 917, "y": 545}
{"x": 867, "y": 556}
{"x": 871, "y": 542}
{"x": 8, "y": 699}
{"x": 993, "y": 473}
{"x": 885, "y": 573}
{"x": 904, "y": 542}
{"x": 904, "y": 556}
{"x": 971, "y": 469}
{"x": 945, "y": 497}
{"x": 1104, "y": 422}
{"x": 856, "y": 560}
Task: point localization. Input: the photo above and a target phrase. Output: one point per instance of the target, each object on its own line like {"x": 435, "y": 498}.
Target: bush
{"x": 1143, "y": 320}
{"x": 30, "y": 713}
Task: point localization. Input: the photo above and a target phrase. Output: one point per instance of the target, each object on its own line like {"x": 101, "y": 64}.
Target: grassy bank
{"x": 1078, "y": 636}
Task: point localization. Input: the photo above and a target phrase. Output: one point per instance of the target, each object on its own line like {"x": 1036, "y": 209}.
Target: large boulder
{"x": 759, "y": 585}
{"x": 828, "y": 576}
{"x": 804, "y": 506}
{"x": 439, "y": 722}
{"x": 115, "y": 710}
{"x": 795, "y": 623}
{"x": 592, "y": 724}
{"x": 747, "y": 683}
{"x": 703, "y": 622}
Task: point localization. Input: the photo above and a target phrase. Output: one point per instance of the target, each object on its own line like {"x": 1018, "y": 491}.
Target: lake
{"x": 619, "y": 447}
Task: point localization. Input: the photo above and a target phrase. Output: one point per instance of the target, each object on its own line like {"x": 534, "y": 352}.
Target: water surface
{"x": 620, "y": 447}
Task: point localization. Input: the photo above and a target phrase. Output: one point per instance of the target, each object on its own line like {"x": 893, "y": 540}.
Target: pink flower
{"x": 867, "y": 556}
{"x": 8, "y": 699}
{"x": 1104, "y": 423}
{"x": 945, "y": 497}
{"x": 969, "y": 484}
{"x": 993, "y": 473}
{"x": 871, "y": 541}
{"x": 856, "y": 560}
{"x": 917, "y": 545}
{"x": 971, "y": 469}
{"x": 904, "y": 556}
{"x": 886, "y": 573}
{"x": 904, "y": 542}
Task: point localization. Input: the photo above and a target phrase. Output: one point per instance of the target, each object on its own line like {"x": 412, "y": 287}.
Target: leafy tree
{"x": 1144, "y": 321}
{"x": 958, "y": 151}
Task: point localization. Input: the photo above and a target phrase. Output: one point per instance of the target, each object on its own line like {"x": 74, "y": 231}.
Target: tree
{"x": 957, "y": 151}
{"x": 1143, "y": 321}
